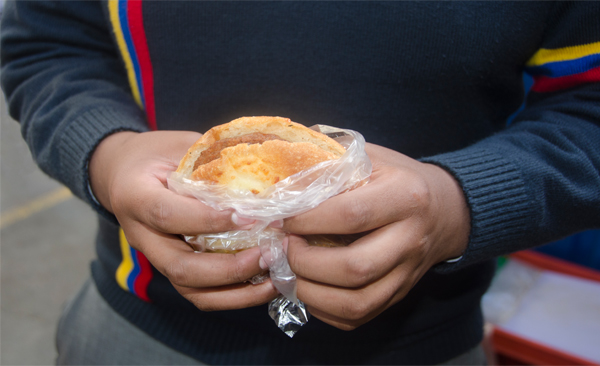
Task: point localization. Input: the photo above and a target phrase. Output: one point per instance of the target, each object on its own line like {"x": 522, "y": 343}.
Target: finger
{"x": 358, "y": 264}
{"x": 230, "y": 297}
{"x": 166, "y": 211}
{"x": 181, "y": 265}
{"x": 373, "y": 205}
{"x": 340, "y": 323}
{"x": 348, "y": 308}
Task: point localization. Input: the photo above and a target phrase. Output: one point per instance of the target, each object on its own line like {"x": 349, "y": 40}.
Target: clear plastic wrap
{"x": 289, "y": 197}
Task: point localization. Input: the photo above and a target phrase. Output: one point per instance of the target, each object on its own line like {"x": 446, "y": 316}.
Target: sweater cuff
{"x": 80, "y": 138}
{"x": 498, "y": 201}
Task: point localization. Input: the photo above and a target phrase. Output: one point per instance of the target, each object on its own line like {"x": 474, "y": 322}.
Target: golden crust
{"x": 258, "y": 166}
{"x": 255, "y": 167}
{"x": 282, "y": 127}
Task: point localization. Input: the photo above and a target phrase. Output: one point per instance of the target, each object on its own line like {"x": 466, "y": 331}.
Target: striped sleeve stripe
{"x": 134, "y": 273}
{"x": 140, "y": 46}
{"x": 124, "y": 20}
{"x": 143, "y": 277}
{"x": 114, "y": 8}
{"x": 566, "y": 68}
{"x": 126, "y": 265}
{"x": 545, "y": 56}
{"x": 543, "y": 84}
{"x": 127, "y": 21}
{"x": 561, "y": 68}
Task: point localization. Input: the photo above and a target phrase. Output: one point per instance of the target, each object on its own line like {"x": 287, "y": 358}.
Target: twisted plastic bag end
{"x": 288, "y": 316}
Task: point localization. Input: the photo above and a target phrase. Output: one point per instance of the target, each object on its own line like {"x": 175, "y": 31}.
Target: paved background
{"x": 46, "y": 244}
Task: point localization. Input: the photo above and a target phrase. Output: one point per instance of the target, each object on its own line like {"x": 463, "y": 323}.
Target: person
{"x": 111, "y": 94}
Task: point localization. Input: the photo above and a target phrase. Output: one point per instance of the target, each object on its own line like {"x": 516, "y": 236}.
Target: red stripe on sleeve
{"x": 544, "y": 84}
{"x": 138, "y": 35}
{"x": 140, "y": 285}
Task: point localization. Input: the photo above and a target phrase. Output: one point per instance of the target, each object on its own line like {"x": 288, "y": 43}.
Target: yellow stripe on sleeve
{"x": 126, "y": 265}
{"x": 113, "y": 9}
{"x": 544, "y": 56}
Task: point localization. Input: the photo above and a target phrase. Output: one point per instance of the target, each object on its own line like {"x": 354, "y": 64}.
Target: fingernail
{"x": 277, "y": 224}
{"x": 262, "y": 264}
{"x": 241, "y": 221}
{"x": 285, "y": 243}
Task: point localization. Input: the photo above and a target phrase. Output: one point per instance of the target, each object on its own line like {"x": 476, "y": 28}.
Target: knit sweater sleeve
{"x": 65, "y": 84}
{"x": 539, "y": 179}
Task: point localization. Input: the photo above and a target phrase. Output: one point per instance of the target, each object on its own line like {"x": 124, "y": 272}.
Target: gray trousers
{"x": 90, "y": 332}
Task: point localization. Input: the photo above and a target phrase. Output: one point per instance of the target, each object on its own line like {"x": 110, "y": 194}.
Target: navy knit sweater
{"x": 435, "y": 81}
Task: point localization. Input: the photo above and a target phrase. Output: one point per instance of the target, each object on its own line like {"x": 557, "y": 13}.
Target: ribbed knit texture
{"x": 79, "y": 140}
{"x": 500, "y": 207}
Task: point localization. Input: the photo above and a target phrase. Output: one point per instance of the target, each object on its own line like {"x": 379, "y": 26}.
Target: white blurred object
{"x": 504, "y": 296}
{"x": 557, "y": 310}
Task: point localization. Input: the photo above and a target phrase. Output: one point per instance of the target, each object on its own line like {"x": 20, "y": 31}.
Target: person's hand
{"x": 128, "y": 175}
{"x": 418, "y": 217}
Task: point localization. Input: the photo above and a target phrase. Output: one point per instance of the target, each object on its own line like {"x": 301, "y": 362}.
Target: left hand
{"x": 419, "y": 217}
{"x": 128, "y": 175}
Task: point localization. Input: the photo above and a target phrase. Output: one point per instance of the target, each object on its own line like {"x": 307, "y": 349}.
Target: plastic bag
{"x": 292, "y": 196}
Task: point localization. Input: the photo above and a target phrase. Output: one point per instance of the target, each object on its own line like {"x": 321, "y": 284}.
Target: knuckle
{"x": 198, "y": 297}
{"x": 293, "y": 259}
{"x": 201, "y": 302}
{"x": 236, "y": 272}
{"x": 356, "y": 214}
{"x": 296, "y": 257}
{"x": 355, "y": 311}
{"x": 160, "y": 214}
{"x": 420, "y": 194}
{"x": 176, "y": 272}
{"x": 206, "y": 306}
{"x": 359, "y": 271}
{"x": 422, "y": 247}
{"x": 348, "y": 326}
{"x": 215, "y": 221}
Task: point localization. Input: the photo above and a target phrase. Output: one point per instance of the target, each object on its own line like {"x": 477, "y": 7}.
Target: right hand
{"x": 128, "y": 175}
{"x": 411, "y": 227}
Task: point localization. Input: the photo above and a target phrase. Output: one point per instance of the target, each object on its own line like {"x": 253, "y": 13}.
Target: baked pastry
{"x": 253, "y": 153}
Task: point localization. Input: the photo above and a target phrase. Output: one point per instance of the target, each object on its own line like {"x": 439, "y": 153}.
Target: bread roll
{"x": 253, "y": 153}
